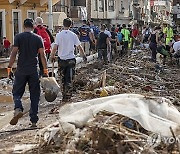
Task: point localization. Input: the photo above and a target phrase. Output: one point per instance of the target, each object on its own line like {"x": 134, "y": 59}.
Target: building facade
{"x": 176, "y": 12}
{"x": 13, "y": 13}
{"x": 111, "y": 11}
{"x": 102, "y": 11}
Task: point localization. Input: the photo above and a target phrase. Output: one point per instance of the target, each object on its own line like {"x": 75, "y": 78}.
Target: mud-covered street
{"x": 134, "y": 74}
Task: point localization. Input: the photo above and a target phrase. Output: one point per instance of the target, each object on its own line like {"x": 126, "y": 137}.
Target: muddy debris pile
{"x": 119, "y": 124}
{"x": 132, "y": 74}
{"x": 122, "y": 125}
{"x": 110, "y": 133}
{"x": 5, "y": 86}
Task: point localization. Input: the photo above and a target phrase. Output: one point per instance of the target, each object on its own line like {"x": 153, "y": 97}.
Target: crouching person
{"x": 27, "y": 45}
{"x": 65, "y": 43}
{"x": 176, "y": 47}
{"x": 164, "y": 52}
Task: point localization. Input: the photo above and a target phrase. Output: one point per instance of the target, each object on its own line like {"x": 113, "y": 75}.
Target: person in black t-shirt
{"x": 27, "y": 45}
{"x": 113, "y": 40}
{"x": 102, "y": 44}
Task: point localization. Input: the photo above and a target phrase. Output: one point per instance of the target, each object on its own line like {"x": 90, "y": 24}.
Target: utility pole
{"x": 145, "y": 10}
{"x": 50, "y": 16}
{"x": 88, "y": 7}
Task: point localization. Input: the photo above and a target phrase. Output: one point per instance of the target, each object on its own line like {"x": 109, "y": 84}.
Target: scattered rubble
{"x": 125, "y": 123}
{"x": 106, "y": 132}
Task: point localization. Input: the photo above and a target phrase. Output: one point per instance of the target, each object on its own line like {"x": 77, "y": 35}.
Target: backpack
{"x": 95, "y": 30}
{"x": 120, "y": 36}
{"x": 41, "y": 31}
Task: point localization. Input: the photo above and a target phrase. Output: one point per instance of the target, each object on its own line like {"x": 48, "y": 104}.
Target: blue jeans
{"x": 34, "y": 88}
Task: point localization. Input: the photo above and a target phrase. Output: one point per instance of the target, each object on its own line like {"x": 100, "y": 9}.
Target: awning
{"x": 41, "y": 2}
{"x": 58, "y": 18}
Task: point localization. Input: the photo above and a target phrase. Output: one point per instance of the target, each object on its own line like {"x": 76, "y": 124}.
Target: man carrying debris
{"x": 65, "y": 43}
{"x": 27, "y": 45}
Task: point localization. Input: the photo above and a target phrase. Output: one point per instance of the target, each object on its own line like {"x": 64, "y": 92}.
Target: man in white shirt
{"x": 176, "y": 48}
{"x": 65, "y": 43}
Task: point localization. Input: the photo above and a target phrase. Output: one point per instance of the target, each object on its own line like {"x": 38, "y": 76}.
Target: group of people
{"x": 163, "y": 40}
{"x": 34, "y": 49}
{"x": 115, "y": 40}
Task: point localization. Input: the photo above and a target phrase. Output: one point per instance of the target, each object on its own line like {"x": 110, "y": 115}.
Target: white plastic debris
{"x": 107, "y": 88}
{"x": 136, "y": 51}
{"x": 23, "y": 148}
{"x": 146, "y": 46}
{"x": 155, "y": 114}
{"x": 50, "y": 134}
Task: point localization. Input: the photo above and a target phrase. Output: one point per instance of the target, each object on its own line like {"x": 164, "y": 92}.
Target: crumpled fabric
{"x": 155, "y": 114}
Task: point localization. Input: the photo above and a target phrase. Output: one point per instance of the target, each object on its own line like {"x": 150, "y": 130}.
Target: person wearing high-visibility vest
{"x": 164, "y": 28}
{"x": 168, "y": 31}
{"x": 126, "y": 34}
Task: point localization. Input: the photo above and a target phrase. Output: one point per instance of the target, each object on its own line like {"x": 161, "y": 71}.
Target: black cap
{"x": 29, "y": 22}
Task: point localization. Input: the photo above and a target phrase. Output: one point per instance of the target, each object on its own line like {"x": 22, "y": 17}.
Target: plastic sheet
{"x": 155, "y": 114}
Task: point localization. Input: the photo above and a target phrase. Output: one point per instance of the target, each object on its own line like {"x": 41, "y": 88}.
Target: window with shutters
{"x": 111, "y": 5}
{"x": 101, "y": 5}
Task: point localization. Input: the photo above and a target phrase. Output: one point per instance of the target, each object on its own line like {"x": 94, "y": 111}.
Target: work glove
{"x": 45, "y": 73}
{"x": 85, "y": 59}
{"x": 10, "y": 73}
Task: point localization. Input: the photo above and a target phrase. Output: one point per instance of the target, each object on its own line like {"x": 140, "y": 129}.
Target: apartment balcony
{"x": 61, "y": 8}
{"x": 78, "y": 12}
